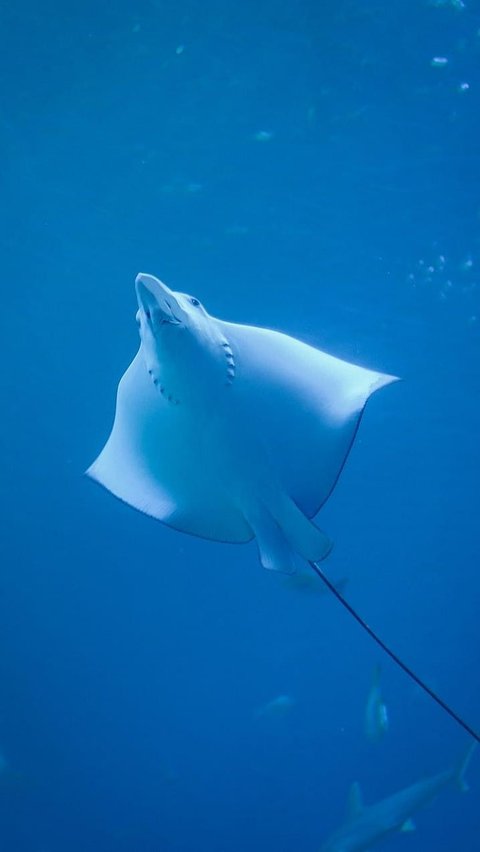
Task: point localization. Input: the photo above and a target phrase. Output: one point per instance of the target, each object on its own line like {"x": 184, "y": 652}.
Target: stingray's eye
{"x": 194, "y": 301}
{"x": 148, "y": 315}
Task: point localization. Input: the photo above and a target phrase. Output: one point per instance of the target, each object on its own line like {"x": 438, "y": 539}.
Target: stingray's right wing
{"x": 305, "y": 403}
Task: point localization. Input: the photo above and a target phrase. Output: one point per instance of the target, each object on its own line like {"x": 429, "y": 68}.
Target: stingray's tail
{"x": 411, "y": 674}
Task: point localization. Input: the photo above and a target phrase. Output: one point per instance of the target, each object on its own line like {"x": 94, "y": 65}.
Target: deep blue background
{"x": 132, "y": 658}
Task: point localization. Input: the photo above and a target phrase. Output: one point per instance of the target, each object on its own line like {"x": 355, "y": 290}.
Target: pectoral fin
{"x": 302, "y": 535}
{"x": 274, "y": 551}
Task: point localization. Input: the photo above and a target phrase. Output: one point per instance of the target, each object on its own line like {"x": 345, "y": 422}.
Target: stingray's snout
{"x": 155, "y": 297}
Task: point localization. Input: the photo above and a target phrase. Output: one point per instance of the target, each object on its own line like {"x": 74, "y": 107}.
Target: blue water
{"x": 300, "y": 165}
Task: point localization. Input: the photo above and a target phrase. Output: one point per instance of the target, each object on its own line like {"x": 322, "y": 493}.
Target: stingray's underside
{"x": 259, "y": 464}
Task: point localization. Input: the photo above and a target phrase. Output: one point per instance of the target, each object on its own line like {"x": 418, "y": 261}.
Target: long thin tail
{"x": 393, "y": 656}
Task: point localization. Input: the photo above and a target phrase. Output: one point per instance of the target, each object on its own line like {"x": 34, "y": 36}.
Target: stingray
{"x": 233, "y": 432}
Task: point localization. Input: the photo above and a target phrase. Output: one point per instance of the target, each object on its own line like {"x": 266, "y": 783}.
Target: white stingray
{"x": 230, "y": 431}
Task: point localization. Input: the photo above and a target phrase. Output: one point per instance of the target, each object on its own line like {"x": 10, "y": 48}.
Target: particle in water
{"x": 236, "y": 230}
{"x": 439, "y": 61}
{"x": 263, "y": 136}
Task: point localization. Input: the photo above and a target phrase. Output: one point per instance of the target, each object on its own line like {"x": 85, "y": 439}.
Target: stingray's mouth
{"x": 160, "y": 314}
{"x": 163, "y": 320}
{"x": 156, "y": 301}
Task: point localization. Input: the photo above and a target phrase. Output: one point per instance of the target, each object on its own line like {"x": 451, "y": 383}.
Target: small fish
{"x": 376, "y": 715}
{"x": 263, "y": 136}
{"x": 307, "y": 581}
{"x": 279, "y": 706}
